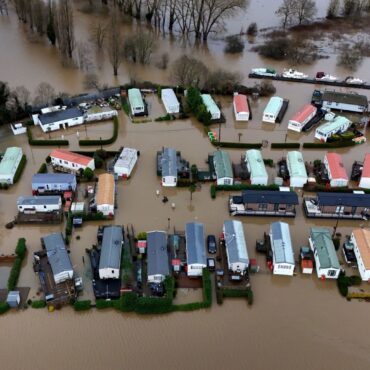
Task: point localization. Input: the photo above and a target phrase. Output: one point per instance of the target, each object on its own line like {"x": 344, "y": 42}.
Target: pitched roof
{"x": 343, "y": 199}
{"x": 11, "y": 156}
{"x": 236, "y": 247}
{"x": 304, "y": 113}
{"x": 222, "y": 164}
{"x": 127, "y": 156}
{"x": 274, "y": 105}
{"x": 296, "y": 164}
{"x": 111, "y": 249}
{"x": 336, "y": 167}
{"x": 321, "y": 238}
{"x": 30, "y": 200}
{"x": 255, "y": 161}
{"x": 169, "y": 96}
{"x": 334, "y": 125}
{"x": 60, "y": 115}
{"x": 53, "y": 178}
{"x": 366, "y": 167}
{"x": 105, "y": 193}
{"x": 210, "y": 104}
{"x": 70, "y": 157}
{"x": 195, "y": 245}
{"x": 135, "y": 98}
{"x": 362, "y": 237}
{"x": 281, "y": 243}
{"x": 169, "y": 162}
{"x": 158, "y": 263}
{"x": 269, "y": 196}
{"x": 345, "y": 98}
{"x": 241, "y": 103}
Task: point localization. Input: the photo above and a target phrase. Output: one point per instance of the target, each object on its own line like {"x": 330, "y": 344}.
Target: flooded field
{"x": 295, "y": 323}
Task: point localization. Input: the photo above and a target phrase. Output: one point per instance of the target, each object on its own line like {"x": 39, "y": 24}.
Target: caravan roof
{"x": 158, "y": 263}
{"x": 111, "y": 249}
{"x": 281, "y": 243}
{"x": 222, "y": 164}
{"x": 236, "y": 246}
{"x": 195, "y": 245}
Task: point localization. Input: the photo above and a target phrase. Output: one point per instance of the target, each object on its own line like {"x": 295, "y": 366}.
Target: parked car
{"x": 211, "y": 244}
{"x": 211, "y": 264}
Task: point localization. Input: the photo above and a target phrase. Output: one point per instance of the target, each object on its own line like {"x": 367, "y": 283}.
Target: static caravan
{"x": 62, "y": 118}
{"x": 58, "y": 257}
{"x": 45, "y": 204}
{"x": 256, "y": 167}
{"x": 110, "y": 254}
{"x": 195, "y": 249}
{"x": 70, "y": 161}
{"x": 321, "y": 244}
{"x": 338, "y": 125}
{"x": 105, "y": 194}
{"x": 350, "y": 102}
{"x": 302, "y": 117}
{"x": 125, "y": 162}
{"x": 236, "y": 248}
{"x": 211, "y": 106}
{"x": 53, "y": 183}
{"x": 223, "y": 168}
{"x": 9, "y": 164}
{"x": 360, "y": 238}
{"x": 169, "y": 167}
{"x": 297, "y": 169}
{"x": 96, "y": 113}
{"x": 136, "y": 101}
{"x": 170, "y": 101}
{"x": 271, "y": 112}
{"x": 158, "y": 259}
{"x": 241, "y": 108}
{"x": 282, "y": 250}
{"x": 365, "y": 175}
{"x": 336, "y": 171}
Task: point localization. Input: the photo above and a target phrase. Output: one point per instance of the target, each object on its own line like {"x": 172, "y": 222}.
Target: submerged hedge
{"x": 20, "y": 169}
{"x": 38, "y": 304}
{"x": 111, "y": 140}
{"x": 4, "y": 307}
{"x": 15, "y": 271}
{"x": 230, "y": 144}
{"x": 285, "y": 145}
{"x": 37, "y": 142}
{"x": 336, "y": 144}
{"x": 82, "y": 305}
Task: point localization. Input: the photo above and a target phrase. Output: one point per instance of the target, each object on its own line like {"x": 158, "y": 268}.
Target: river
{"x": 297, "y": 322}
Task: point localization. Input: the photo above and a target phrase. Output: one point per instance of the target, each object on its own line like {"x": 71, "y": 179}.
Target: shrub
{"x": 48, "y": 159}
{"x": 266, "y": 88}
{"x": 355, "y": 280}
{"x": 250, "y": 296}
{"x": 4, "y": 307}
{"x": 98, "y": 161}
{"x": 102, "y": 304}
{"x": 82, "y": 305}
{"x": 109, "y": 141}
{"x": 14, "y": 273}
{"x": 269, "y": 162}
{"x": 142, "y": 235}
{"x": 252, "y": 29}
{"x": 88, "y": 173}
{"x": 21, "y": 248}
{"x": 285, "y": 145}
{"x": 35, "y": 142}
{"x": 234, "y": 44}
{"x": 43, "y": 168}
{"x": 167, "y": 117}
{"x": 20, "y": 169}
{"x": 213, "y": 191}
{"x": 342, "y": 283}
{"x": 350, "y": 57}
{"x": 38, "y": 304}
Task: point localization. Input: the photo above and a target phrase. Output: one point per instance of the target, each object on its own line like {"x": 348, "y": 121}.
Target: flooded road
{"x": 295, "y": 323}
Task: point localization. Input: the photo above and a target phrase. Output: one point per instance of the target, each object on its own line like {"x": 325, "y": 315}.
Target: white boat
{"x": 322, "y": 76}
{"x": 292, "y": 73}
{"x": 264, "y": 72}
{"x": 354, "y": 81}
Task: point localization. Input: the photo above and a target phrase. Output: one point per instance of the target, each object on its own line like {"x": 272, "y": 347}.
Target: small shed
{"x": 169, "y": 167}
{"x": 297, "y": 169}
{"x": 13, "y": 299}
{"x": 236, "y": 247}
{"x": 365, "y": 175}
{"x": 53, "y": 182}
{"x": 337, "y": 173}
{"x": 360, "y": 238}
{"x": 302, "y": 117}
{"x": 77, "y": 207}
{"x": 105, "y": 194}
{"x": 211, "y": 106}
{"x": 9, "y": 164}
{"x": 282, "y": 249}
{"x": 158, "y": 259}
{"x": 338, "y": 125}
{"x": 170, "y": 101}
{"x": 195, "y": 249}
{"x": 223, "y": 168}
{"x": 125, "y": 162}
{"x": 272, "y": 110}
{"x": 137, "y": 105}
{"x": 256, "y": 167}
{"x": 241, "y": 108}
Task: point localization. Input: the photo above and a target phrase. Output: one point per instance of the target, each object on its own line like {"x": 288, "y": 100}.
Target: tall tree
{"x": 305, "y": 10}
{"x": 114, "y": 47}
{"x": 333, "y": 9}
{"x": 50, "y": 28}
{"x": 285, "y": 12}
{"x": 65, "y": 28}
{"x": 188, "y": 71}
{"x": 44, "y": 94}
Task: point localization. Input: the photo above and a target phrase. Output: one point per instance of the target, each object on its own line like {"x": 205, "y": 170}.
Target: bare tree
{"x": 22, "y": 95}
{"x": 286, "y": 11}
{"x": 64, "y": 27}
{"x": 187, "y": 71}
{"x": 350, "y": 57}
{"x": 333, "y": 9}
{"x": 184, "y": 15}
{"x": 163, "y": 62}
{"x": 44, "y": 94}
{"x": 114, "y": 41}
{"x": 98, "y": 33}
{"x": 3, "y": 7}
{"x": 21, "y": 8}
{"x": 84, "y": 57}
{"x": 91, "y": 81}
{"x": 305, "y": 10}
{"x": 139, "y": 47}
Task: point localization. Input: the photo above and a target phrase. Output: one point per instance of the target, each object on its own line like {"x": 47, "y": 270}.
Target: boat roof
{"x": 36, "y": 200}
{"x": 60, "y": 115}
{"x": 269, "y": 196}
{"x": 222, "y": 164}
{"x": 8, "y": 163}
{"x": 366, "y": 166}
{"x": 281, "y": 243}
{"x": 343, "y": 199}
{"x": 334, "y": 125}
{"x": 135, "y": 98}
{"x": 210, "y": 104}
{"x": 345, "y": 98}
{"x": 236, "y": 247}
{"x": 303, "y": 113}
{"x": 158, "y": 263}
{"x": 362, "y": 237}
{"x": 296, "y": 164}
{"x": 322, "y": 240}
{"x": 255, "y": 160}
{"x": 336, "y": 166}
{"x": 111, "y": 249}
{"x": 274, "y": 105}
{"x": 66, "y": 155}
{"x": 241, "y": 103}
{"x": 105, "y": 192}
{"x": 195, "y": 245}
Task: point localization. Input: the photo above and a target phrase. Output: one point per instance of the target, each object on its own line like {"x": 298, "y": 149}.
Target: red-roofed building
{"x": 241, "y": 108}
{"x": 365, "y": 176}
{"x": 336, "y": 171}
{"x": 70, "y": 162}
{"x": 302, "y": 117}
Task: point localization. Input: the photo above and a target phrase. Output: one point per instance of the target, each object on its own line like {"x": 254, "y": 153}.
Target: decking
{"x": 39, "y": 218}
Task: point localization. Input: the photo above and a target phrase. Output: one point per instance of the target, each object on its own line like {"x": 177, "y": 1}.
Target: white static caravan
{"x": 336, "y": 171}
{"x": 169, "y": 167}
{"x": 351, "y": 102}
{"x": 223, "y": 168}
{"x": 100, "y": 114}
{"x": 105, "y": 195}
{"x": 136, "y": 102}
{"x": 282, "y": 250}
{"x": 360, "y": 238}
{"x": 297, "y": 169}
{"x": 125, "y": 162}
{"x": 338, "y": 125}
{"x": 70, "y": 161}
{"x": 271, "y": 112}
{"x": 365, "y": 175}
{"x": 170, "y": 101}
{"x": 241, "y": 108}
{"x": 256, "y": 167}
{"x": 302, "y": 117}
{"x": 43, "y": 204}
{"x": 211, "y": 106}
{"x": 321, "y": 244}
{"x": 9, "y": 164}
{"x": 195, "y": 249}
{"x": 236, "y": 247}
{"x": 157, "y": 257}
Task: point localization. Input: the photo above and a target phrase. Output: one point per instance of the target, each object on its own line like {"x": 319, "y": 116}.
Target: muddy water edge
{"x": 294, "y": 323}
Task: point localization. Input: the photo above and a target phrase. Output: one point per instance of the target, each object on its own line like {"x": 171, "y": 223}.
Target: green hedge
{"x": 43, "y": 168}
{"x": 38, "y": 304}
{"x": 167, "y": 117}
{"x": 337, "y": 144}
{"x": 247, "y": 293}
{"x": 36, "y": 142}
{"x": 344, "y": 282}
{"x": 21, "y": 249}
{"x": 111, "y": 140}
{"x": 20, "y": 169}
{"x": 246, "y": 187}
{"x": 82, "y": 305}
{"x": 4, "y": 307}
{"x": 69, "y": 224}
{"x": 285, "y": 145}
{"x": 15, "y": 271}
{"x": 102, "y": 304}
{"x": 213, "y": 191}
{"x": 226, "y": 144}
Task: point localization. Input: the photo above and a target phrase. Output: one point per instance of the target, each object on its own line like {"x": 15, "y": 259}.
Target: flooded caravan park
{"x": 294, "y": 323}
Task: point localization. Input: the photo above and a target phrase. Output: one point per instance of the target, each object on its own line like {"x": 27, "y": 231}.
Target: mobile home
{"x": 125, "y": 162}
{"x": 302, "y": 117}
{"x": 158, "y": 259}
{"x": 170, "y": 101}
{"x": 169, "y": 167}
{"x": 338, "y": 125}
{"x": 336, "y": 171}
{"x": 211, "y": 106}
{"x": 223, "y": 168}
{"x": 105, "y": 195}
{"x": 53, "y": 183}
{"x": 136, "y": 101}
{"x": 365, "y": 175}
{"x": 44, "y": 204}
{"x": 256, "y": 167}
{"x": 71, "y": 162}
{"x": 297, "y": 169}
{"x": 9, "y": 164}
{"x": 360, "y": 238}
{"x": 241, "y": 108}
{"x": 351, "y": 102}
{"x": 195, "y": 249}
{"x": 272, "y": 110}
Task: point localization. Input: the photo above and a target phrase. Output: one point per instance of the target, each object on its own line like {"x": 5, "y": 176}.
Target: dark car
{"x": 211, "y": 244}
{"x": 211, "y": 264}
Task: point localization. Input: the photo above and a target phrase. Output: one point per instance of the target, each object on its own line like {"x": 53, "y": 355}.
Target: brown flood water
{"x": 295, "y": 323}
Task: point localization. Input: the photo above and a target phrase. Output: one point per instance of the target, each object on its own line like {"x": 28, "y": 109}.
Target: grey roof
{"x": 235, "y": 242}
{"x": 57, "y": 253}
{"x": 84, "y": 98}
{"x": 157, "y": 253}
{"x": 169, "y": 162}
{"x": 60, "y": 115}
{"x": 195, "y": 245}
{"x": 281, "y": 243}
{"x": 53, "y": 178}
{"x": 345, "y": 98}
{"x": 222, "y": 164}
{"x": 343, "y": 199}
{"x": 32, "y": 201}
{"x": 269, "y": 196}
{"x": 111, "y": 249}
{"x": 322, "y": 241}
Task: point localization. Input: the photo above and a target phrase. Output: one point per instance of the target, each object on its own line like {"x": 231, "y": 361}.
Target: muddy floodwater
{"x": 294, "y": 323}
